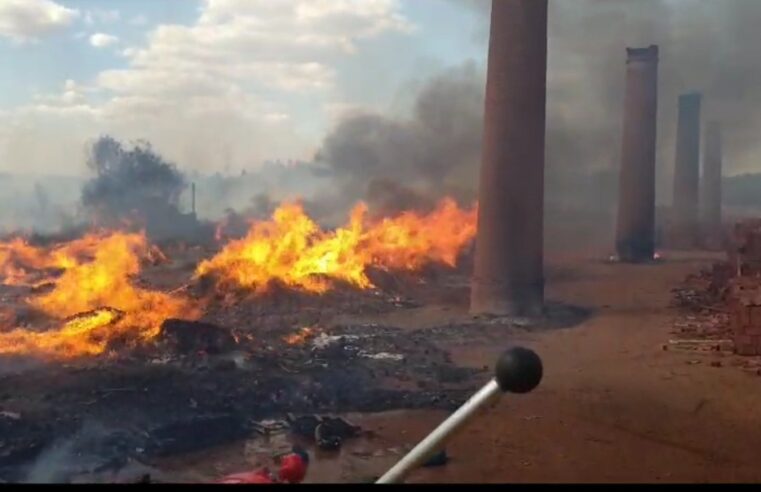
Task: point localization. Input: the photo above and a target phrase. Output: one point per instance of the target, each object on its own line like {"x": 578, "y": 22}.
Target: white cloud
{"x": 128, "y": 52}
{"x": 72, "y": 96}
{"x": 101, "y": 40}
{"x": 28, "y": 20}
{"x": 287, "y": 45}
{"x": 277, "y": 117}
{"x": 92, "y": 17}
{"x": 236, "y": 83}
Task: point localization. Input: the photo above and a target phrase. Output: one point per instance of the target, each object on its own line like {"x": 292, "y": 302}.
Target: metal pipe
{"x": 435, "y": 441}
{"x": 518, "y": 371}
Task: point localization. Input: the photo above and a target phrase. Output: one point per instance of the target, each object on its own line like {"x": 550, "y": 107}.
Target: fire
{"x": 77, "y": 337}
{"x": 411, "y": 241}
{"x": 300, "y": 338}
{"x": 14, "y": 255}
{"x": 19, "y": 260}
{"x": 292, "y": 249}
{"x": 103, "y": 287}
{"x": 95, "y": 303}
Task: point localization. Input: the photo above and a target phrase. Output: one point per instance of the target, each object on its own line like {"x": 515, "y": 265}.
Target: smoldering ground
{"x": 92, "y": 449}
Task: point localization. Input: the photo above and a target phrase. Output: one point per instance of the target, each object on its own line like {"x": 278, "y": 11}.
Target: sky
{"x": 212, "y": 84}
{"x": 224, "y": 85}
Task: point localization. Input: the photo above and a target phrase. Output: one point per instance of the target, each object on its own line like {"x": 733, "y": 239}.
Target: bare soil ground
{"x": 613, "y": 406}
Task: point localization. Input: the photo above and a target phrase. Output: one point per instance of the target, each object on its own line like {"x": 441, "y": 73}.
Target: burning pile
{"x": 96, "y": 302}
{"x": 86, "y": 289}
{"x": 21, "y": 262}
{"x": 293, "y": 250}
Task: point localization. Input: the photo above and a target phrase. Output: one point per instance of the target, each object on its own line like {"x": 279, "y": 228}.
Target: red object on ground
{"x": 259, "y": 477}
{"x": 293, "y": 469}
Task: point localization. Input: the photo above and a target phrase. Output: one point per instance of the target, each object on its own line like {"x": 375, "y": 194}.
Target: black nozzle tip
{"x": 519, "y": 371}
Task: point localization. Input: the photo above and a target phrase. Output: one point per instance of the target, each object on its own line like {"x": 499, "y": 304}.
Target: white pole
{"x": 435, "y": 441}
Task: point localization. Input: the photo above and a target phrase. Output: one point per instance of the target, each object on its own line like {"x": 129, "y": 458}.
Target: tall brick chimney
{"x": 193, "y": 199}
{"x": 635, "y": 236}
{"x": 509, "y": 265}
{"x": 712, "y": 183}
{"x": 687, "y": 173}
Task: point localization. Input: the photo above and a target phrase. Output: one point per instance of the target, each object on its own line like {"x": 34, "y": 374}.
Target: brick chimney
{"x": 687, "y": 173}
{"x": 635, "y": 235}
{"x": 509, "y": 265}
{"x": 712, "y": 184}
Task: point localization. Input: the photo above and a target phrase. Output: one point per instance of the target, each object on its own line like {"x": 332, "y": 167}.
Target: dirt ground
{"x": 613, "y": 406}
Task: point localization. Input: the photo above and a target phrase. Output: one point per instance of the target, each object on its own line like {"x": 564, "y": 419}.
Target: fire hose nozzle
{"x": 518, "y": 371}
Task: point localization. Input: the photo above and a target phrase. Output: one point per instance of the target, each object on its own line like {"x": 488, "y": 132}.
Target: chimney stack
{"x": 635, "y": 235}
{"x": 712, "y": 183}
{"x": 193, "y": 199}
{"x": 509, "y": 265}
{"x": 687, "y": 173}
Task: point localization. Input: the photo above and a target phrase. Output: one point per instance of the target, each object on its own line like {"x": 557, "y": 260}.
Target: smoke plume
{"x": 433, "y": 152}
{"x": 705, "y": 45}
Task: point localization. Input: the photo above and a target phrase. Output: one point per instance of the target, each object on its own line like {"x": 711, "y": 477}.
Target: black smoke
{"x": 705, "y": 45}
{"x": 396, "y": 162}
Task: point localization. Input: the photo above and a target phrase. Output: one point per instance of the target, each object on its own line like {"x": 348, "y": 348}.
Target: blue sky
{"x": 43, "y": 66}
{"x": 247, "y": 79}
{"x": 226, "y": 84}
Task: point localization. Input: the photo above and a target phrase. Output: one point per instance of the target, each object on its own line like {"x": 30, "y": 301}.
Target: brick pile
{"x": 745, "y": 318}
{"x": 744, "y": 289}
{"x": 745, "y": 253}
{"x": 721, "y": 277}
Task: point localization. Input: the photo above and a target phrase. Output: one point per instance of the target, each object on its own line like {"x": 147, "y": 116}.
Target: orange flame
{"x": 14, "y": 256}
{"x": 292, "y": 249}
{"x": 19, "y": 259}
{"x": 301, "y": 337}
{"x": 101, "y": 287}
{"x": 77, "y": 337}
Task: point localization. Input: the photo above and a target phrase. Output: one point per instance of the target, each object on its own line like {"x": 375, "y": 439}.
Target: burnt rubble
{"x": 201, "y": 385}
{"x": 239, "y": 372}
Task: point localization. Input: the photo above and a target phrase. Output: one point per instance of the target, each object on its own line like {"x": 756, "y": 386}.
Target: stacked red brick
{"x": 745, "y": 288}
{"x": 746, "y": 254}
{"x": 745, "y": 303}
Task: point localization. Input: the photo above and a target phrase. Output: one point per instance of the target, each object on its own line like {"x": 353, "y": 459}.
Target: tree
{"x": 130, "y": 181}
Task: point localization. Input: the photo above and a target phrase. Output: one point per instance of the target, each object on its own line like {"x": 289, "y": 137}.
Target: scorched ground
{"x": 113, "y": 349}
